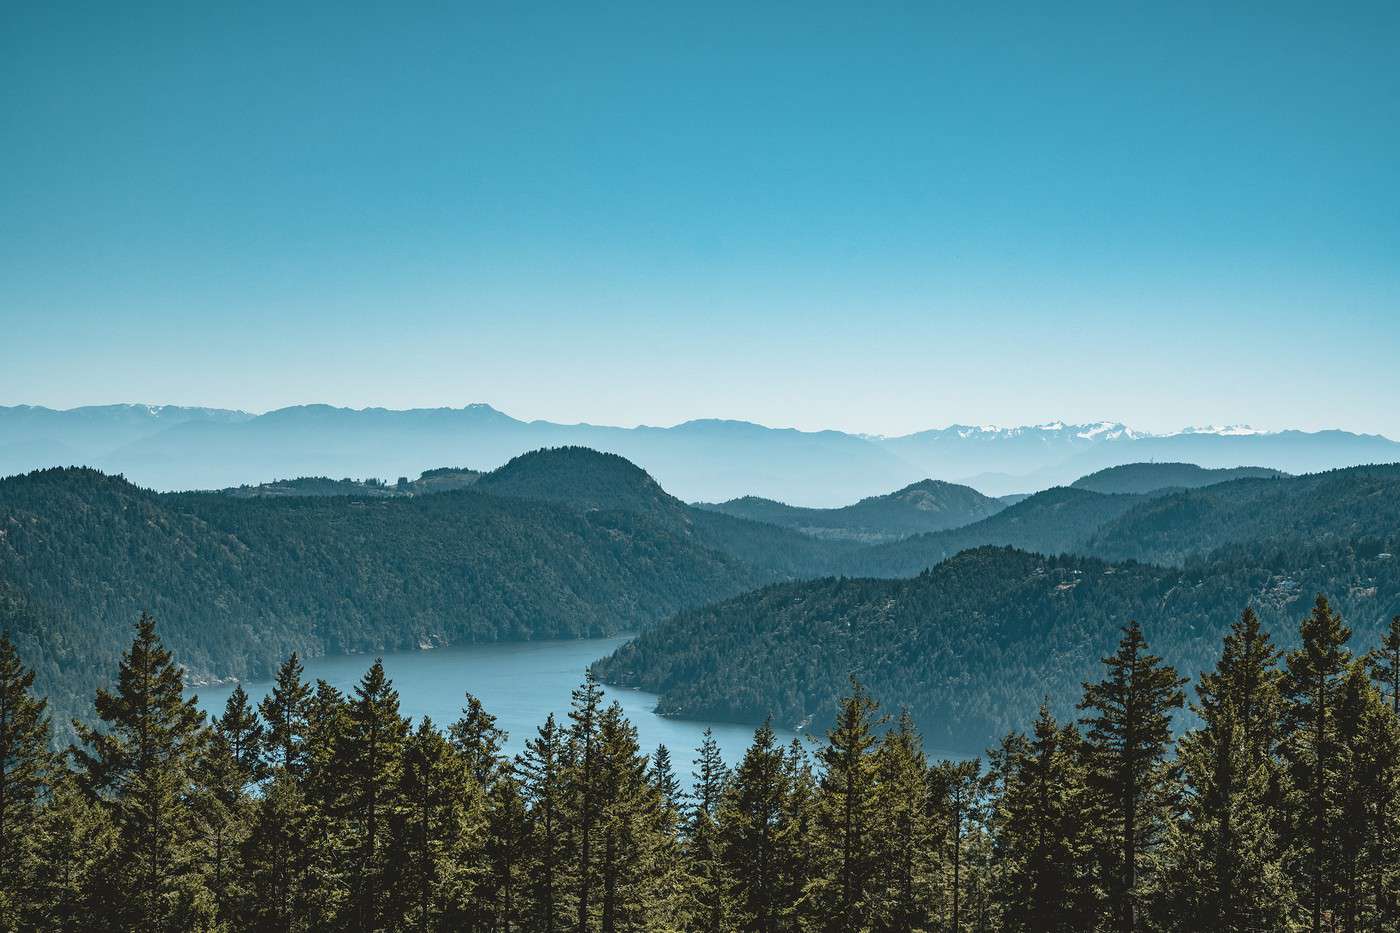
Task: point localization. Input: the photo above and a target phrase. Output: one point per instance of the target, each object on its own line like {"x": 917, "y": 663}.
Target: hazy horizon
{"x": 874, "y": 221}
{"x": 1231, "y": 427}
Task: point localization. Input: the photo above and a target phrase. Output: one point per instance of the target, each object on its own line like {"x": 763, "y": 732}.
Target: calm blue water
{"x": 519, "y": 683}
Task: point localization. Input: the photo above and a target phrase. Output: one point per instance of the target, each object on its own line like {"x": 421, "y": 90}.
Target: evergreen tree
{"x": 584, "y": 793}
{"x": 76, "y": 844}
{"x": 285, "y": 710}
{"x": 631, "y": 896}
{"x": 838, "y": 895}
{"x": 370, "y": 757}
{"x": 439, "y": 835}
{"x": 1387, "y": 664}
{"x": 479, "y": 741}
{"x": 761, "y": 835}
{"x": 1370, "y": 735}
{"x": 903, "y": 840}
{"x": 276, "y": 853}
{"x": 141, "y": 766}
{"x": 955, "y": 797}
{"x": 328, "y": 851}
{"x": 541, "y": 766}
{"x": 228, "y": 765}
{"x": 1226, "y": 871}
{"x": 25, "y": 764}
{"x": 1312, "y": 747}
{"x": 1129, "y": 735}
{"x": 709, "y": 879}
{"x": 662, "y": 775}
{"x": 1041, "y": 832}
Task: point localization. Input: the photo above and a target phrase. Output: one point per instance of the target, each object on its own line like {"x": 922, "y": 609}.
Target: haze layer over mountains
{"x": 174, "y": 448}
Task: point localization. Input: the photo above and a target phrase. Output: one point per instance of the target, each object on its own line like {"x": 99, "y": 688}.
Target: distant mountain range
{"x": 170, "y": 448}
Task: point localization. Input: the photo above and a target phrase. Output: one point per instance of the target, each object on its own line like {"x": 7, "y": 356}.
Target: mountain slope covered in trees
{"x": 973, "y": 644}
{"x": 241, "y": 582}
{"x": 1140, "y": 478}
{"x": 928, "y": 505}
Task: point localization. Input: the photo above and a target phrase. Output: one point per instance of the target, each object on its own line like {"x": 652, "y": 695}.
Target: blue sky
{"x": 877, "y": 217}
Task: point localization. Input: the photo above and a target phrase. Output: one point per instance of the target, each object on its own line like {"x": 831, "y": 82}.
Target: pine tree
{"x": 25, "y": 764}
{"x": 1129, "y": 735}
{"x": 275, "y": 856}
{"x": 76, "y": 844}
{"x": 370, "y": 757}
{"x": 285, "y": 710}
{"x": 955, "y": 794}
{"x": 479, "y": 741}
{"x": 328, "y": 851}
{"x": 228, "y": 765}
{"x": 1387, "y": 664}
{"x": 1312, "y": 748}
{"x": 709, "y": 879}
{"x": 903, "y": 839}
{"x": 1370, "y": 736}
{"x": 1226, "y": 870}
{"x": 662, "y": 776}
{"x": 631, "y": 895}
{"x": 141, "y": 765}
{"x": 541, "y": 766}
{"x": 584, "y": 793}
{"x": 838, "y": 895}
{"x": 439, "y": 835}
{"x": 760, "y": 835}
{"x": 1041, "y": 832}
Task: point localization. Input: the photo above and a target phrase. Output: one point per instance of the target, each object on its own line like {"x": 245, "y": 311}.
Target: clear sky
{"x": 869, "y": 216}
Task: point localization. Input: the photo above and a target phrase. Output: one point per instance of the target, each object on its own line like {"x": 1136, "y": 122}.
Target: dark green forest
{"x": 1142, "y": 478}
{"x": 311, "y": 810}
{"x": 246, "y": 581}
{"x": 928, "y": 505}
{"x": 974, "y": 644}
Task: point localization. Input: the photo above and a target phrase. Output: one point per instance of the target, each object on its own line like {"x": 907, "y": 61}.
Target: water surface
{"x": 520, "y": 683}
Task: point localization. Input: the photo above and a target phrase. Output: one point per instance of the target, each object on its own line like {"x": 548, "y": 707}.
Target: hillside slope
{"x": 928, "y": 505}
{"x": 1143, "y": 478}
{"x": 238, "y": 583}
{"x": 973, "y": 645}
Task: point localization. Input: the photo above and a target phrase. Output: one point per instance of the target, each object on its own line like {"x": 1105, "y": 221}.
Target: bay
{"x": 520, "y": 683}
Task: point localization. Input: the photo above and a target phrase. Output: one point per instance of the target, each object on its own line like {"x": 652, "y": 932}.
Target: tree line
{"x": 316, "y": 810}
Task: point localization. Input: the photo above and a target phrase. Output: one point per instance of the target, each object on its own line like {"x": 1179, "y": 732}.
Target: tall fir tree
{"x": 439, "y": 849}
{"x": 1042, "y": 836}
{"x": 1314, "y": 752}
{"x": 284, "y": 711}
{"x": 1387, "y": 664}
{"x": 370, "y": 764}
{"x": 25, "y": 769}
{"x": 584, "y": 795}
{"x": 704, "y": 848}
{"x": 901, "y": 897}
{"x": 1128, "y": 735}
{"x": 839, "y": 893}
{"x": 955, "y": 799}
{"x": 542, "y": 771}
{"x": 141, "y": 764}
{"x": 1225, "y": 864}
{"x": 762, "y": 836}
{"x": 229, "y": 764}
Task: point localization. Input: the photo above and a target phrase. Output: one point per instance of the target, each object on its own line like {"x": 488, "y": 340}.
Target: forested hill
{"x": 972, "y": 646}
{"x": 1167, "y": 527}
{"x": 928, "y": 505}
{"x": 1285, "y": 514}
{"x": 239, "y": 583}
{"x": 1142, "y": 478}
{"x": 1055, "y": 521}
